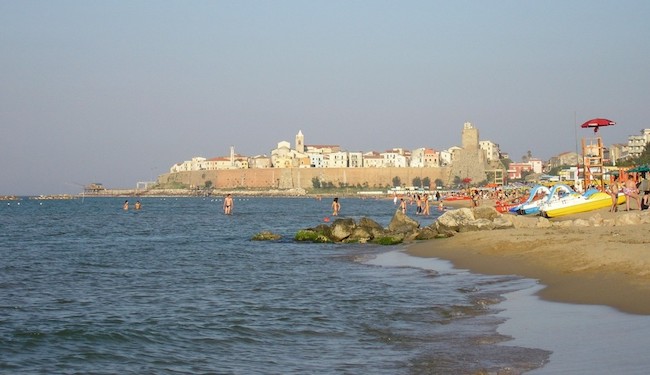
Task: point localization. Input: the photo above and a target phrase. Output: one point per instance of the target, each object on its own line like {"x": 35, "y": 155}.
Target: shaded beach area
{"x": 597, "y": 265}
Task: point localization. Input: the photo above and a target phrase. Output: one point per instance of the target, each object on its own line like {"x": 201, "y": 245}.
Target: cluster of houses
{"x": 332, "y": 156}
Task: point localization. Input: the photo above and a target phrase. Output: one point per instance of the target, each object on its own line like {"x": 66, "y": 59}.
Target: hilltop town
{"x": 476, "y": 162}
{"x": 306, "y": 166}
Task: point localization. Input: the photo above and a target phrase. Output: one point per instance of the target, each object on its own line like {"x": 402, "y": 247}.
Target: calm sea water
{"x": 180, "y": 288}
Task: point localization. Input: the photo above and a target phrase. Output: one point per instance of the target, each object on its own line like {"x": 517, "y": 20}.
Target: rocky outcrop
{"x": 429, "y": 233}
{"x": 454, "y": 220}
{"x": 402, "y": 224}
{"x": 401, "y": 228}
{"x": 373, "y": 228}
{"x": 266, "y": 236}
{"x": 404, "y": 229}
{"x": 347, "y": 230}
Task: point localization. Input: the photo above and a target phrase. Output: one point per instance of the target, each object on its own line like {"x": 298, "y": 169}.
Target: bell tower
{"x": 300, "y": 142}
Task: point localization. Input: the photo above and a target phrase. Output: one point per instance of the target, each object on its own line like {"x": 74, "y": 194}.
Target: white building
{"x": 260, "y": 161}
{"x": 338, "y": 160}
{"x": 537, "y": 165}
{"x": 373, "y": 159}
{"x": 282, "y": 155}
{"x": 445, "y": 158}
{"x": 286, "y": 157}
{"x": 355, "y": 159}
{"x": 394, "y": 158}
{"x": 637, "y": 143}
{"x": 196, "y": 164}
{"x": 317, "y": 160}
{"x": 417, "y": 158}
{"x": 491, "y": 149}
{"x": 448, "y": 156}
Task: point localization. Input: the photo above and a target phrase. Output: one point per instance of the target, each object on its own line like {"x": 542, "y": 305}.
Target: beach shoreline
{"x": 594, "y": 265}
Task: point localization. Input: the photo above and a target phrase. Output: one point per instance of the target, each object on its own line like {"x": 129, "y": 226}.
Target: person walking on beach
{"x": 227, "y": 204}
{"x": 613, "y": 192}
{"x": 336, "y": 207}
{"x": 631, "y": 192}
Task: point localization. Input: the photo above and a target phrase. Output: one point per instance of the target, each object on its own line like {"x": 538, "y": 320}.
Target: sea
{"x": 180, "y": 288}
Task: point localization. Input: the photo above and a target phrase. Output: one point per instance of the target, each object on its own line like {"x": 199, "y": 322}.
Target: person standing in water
{"x": 227, "y": 204}
{"x": 138, "y": 205}
{"x": 425, "y": 205}
{"x": 475, "y": 198}
{"x": 126, "y": 205}
{"x": 402, "y": 205}
{"x": 336, "y": 207}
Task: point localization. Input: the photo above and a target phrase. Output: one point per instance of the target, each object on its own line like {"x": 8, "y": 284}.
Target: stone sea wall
{"x": 302, "y": 178}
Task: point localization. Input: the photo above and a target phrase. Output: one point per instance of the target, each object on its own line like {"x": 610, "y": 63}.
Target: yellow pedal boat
{"x": 576, "y": 203}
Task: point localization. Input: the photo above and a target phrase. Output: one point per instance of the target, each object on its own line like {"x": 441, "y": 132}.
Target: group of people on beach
{"x": 637, "y": 191}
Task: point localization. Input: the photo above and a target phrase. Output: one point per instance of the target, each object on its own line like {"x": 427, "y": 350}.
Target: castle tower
{"x": 470, "y": 162}
{"x": 469, "y": 137}
{"x": 300, "y": 142}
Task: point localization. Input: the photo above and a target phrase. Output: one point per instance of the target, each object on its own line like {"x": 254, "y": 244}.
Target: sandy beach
{"x": 597, "y": 265}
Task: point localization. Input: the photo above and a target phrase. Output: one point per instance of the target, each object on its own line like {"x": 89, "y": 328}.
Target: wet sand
{"x": 596, "y": 265}
{"x": 582, "y": 339}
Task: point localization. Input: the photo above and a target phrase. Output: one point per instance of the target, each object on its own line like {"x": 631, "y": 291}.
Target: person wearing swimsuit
{"x": 402, "y": 205}
{"x": 227, "y": 204}
{"x": 631, "y": 192}
{"x": 336, "y": 207}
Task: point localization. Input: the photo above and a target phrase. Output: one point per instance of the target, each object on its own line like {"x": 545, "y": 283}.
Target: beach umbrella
{"x": 640, "y": 168}
{"x": 595, "y": 123}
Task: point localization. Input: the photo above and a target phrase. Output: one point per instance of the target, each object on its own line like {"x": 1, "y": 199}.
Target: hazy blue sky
{"x": 118, "y": 91}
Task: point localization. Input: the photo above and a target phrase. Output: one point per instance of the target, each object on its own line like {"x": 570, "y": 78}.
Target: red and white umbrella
{"x": 595, "y": 123}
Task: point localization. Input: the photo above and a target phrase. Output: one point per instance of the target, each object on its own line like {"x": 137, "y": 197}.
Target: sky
{"x": 117, "y": 92}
